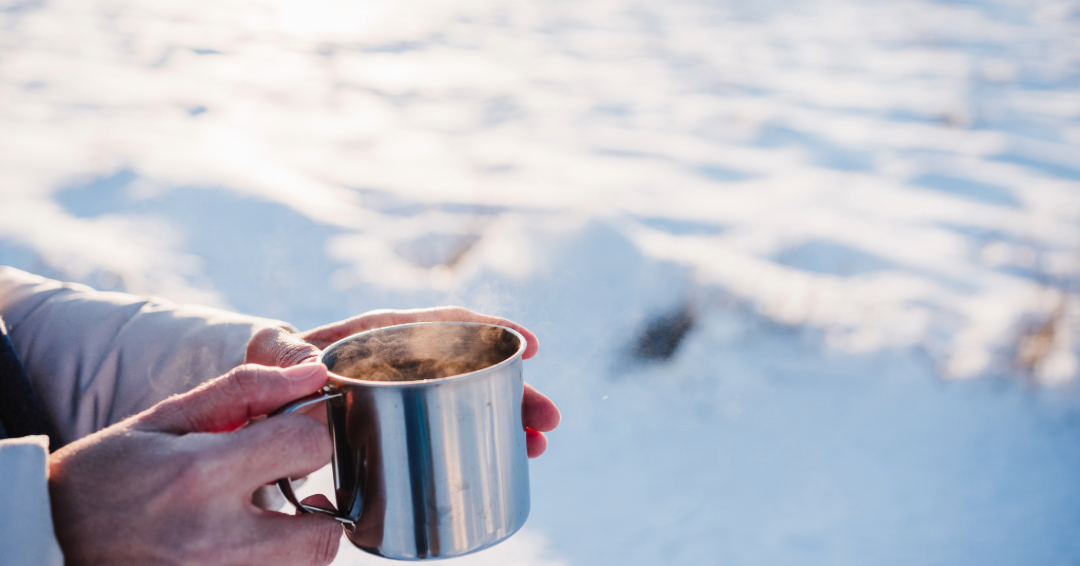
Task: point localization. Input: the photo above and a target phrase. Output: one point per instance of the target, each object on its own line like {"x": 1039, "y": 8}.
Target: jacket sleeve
{"x": 27, "y": 535}
{"x": 96, "y": 358}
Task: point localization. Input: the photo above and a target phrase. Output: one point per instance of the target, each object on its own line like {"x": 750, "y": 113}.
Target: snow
{"x": 869, "y": 210}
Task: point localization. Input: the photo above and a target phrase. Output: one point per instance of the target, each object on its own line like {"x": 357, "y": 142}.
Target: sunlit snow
{"x": 864, "y": 214}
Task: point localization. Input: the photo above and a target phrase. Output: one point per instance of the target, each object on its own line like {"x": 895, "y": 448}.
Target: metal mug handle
{"x": 285, "y": 484}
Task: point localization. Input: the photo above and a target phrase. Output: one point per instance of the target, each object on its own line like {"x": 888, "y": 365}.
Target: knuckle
{"x": 249, "y": 369}
{"x": 278, "y": 347}
{"x": 247, "y": 381}
{"x": 262, "y": 343}
{"x": 266, "y": 335}
{"x": 294, "y": 352}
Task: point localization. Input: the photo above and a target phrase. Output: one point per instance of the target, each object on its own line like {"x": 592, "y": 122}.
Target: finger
{"x": 309, "y": 539}
{"x": 316, "y": 411}
{"x": 326, "y": 335}
{"x": 535, "y": 442}
{"x": 317, "y": 500}
{"x": 538, "y": 412}
{"x": 278, "y": 347}
{"x": 230, "y": 401}
{"x": 283, "y": 446}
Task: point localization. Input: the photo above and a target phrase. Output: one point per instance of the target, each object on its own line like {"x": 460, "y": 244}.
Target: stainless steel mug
{"x": 429, "y": 446}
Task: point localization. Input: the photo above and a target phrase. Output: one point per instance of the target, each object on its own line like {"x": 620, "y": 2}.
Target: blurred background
{"x": 804, "y": 273}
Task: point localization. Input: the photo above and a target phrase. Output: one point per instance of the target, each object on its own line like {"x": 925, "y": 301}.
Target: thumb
{"x": 278, "y": 347}
{"x": 230, "y": 401}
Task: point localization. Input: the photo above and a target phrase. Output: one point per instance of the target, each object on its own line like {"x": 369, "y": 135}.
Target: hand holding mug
{"x": 173, "y": 484}
{"x": 279, "y": 347}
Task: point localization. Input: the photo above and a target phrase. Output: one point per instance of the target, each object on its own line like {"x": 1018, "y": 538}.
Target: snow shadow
{"x": 987, "y": 193}
{"x": 394, "y": 205}
{"x": 822, "y": 151}
{"x": 709, "y": 171}
{"x": 264, "y": 257}
{"x": 724, "y": 174}
{"x": 677, "y": 227}
{"x": 832, "y": 258}
{"x": 431, "y": 250}
{"x": 1045, "y": 167}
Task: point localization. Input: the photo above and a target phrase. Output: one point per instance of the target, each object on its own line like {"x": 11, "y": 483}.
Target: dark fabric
{"x": 21, "y": 410}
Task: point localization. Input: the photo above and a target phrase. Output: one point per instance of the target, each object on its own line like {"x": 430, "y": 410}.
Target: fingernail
{"x": 303, "y": 371}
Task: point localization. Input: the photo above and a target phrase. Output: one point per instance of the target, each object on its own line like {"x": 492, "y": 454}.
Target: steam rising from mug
{"x": 413, "y": 353}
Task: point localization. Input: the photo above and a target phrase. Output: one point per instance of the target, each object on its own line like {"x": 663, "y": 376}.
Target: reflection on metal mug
{"x": 429, "y": 445}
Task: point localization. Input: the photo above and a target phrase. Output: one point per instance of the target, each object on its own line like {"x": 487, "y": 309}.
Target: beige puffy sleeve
{"x": 96, "y": 358}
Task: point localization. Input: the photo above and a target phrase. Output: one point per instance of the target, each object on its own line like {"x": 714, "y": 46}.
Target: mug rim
{"x": 333, "y": 378}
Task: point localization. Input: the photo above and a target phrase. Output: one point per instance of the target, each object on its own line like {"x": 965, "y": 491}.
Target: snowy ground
{"x": 865, "y": 213}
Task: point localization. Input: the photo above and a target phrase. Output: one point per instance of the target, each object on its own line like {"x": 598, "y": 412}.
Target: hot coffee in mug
{"x": 429, "y": 446}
